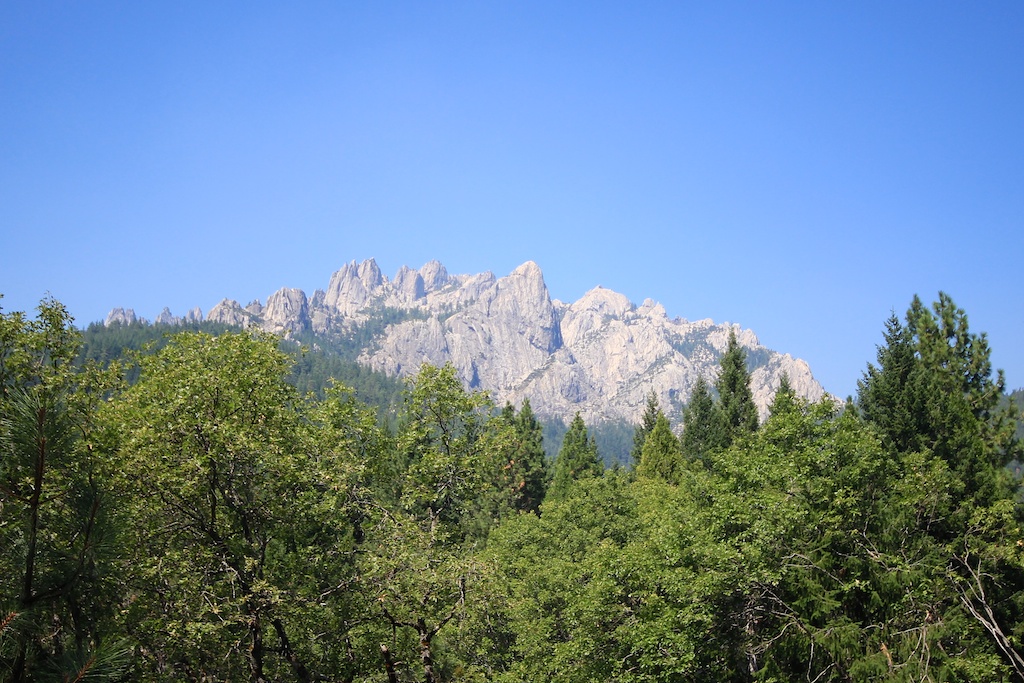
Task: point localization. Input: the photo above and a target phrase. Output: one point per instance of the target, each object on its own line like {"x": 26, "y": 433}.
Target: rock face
{"x": 287, "y": 311}
{"x": 600, "y": 356}
{"x": 121, "y": 316}
{"x": 500, "y": 331}
{"x": 230, "y": 312}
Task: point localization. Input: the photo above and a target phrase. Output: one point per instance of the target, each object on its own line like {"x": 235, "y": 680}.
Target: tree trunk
{"x": 301, "y": 673}
{"x": 426, "y": 656}
{"x": 389, "y": 664}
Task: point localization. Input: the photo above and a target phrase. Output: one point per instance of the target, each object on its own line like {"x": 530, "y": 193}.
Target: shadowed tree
{"x": 56, "y": 531}
{"x": 577, "y": 459}
{"x": 736, "y": 409}
{"x": 529, "y": 459}
{"x": 650, "y": 416}
{"x": 662, "y": 454}
{"x": 701, "y": 428}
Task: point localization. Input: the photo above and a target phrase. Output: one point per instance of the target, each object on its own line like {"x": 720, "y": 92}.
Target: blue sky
{"x": 802, "y": 169}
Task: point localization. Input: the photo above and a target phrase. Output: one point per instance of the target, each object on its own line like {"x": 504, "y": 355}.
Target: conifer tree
{"x": 891, "y": 395}
{"x": 934, "y": 391}
{"x": 641, "y": 431}
{"x": 530, "y": 458}
{"x": 662, "y": 455}
{"x": 736, "y": 409}
{"x": 935, "y": 403}
{"x": 784, "y": 400}
{"x": 577, "y": 459}
{"x": 56, "y": 529}
{"x": 701, "y": 430}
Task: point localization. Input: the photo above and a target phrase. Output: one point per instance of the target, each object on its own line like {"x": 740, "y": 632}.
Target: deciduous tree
{"x": 229, "y": 510}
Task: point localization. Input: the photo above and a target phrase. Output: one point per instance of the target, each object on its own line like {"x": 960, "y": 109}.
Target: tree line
{"x": 209, "y": 521}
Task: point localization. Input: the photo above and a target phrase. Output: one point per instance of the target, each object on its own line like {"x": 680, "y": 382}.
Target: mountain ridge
{"x": 600, "y": 355}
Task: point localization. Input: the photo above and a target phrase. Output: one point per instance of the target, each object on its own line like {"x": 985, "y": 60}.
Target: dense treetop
{"x": 192, "y": 512}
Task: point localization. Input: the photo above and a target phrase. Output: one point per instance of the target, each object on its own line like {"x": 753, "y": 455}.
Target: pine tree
{"x": 701, "y": 430}
{"x": 784, "y": 400}
{"x": 577, "y": 459}
{"x": 56, "y": 528}
{"x": 641, "y": 431}
{"x": 933, "y": 391}
{"x": 662, "y": 455}
{"x": 736, "y": 409}
{"x": 935, "y": 403}
{"x": 961, "y": 421}
{"x": 530, "y": 458}
{"x": 891, "y": 396}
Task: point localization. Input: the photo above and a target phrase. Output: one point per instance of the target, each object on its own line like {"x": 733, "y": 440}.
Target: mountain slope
{"x": 600, "y": 355}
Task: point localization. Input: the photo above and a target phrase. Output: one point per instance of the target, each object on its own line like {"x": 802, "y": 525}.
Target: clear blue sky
{"x": 802, "y": 169}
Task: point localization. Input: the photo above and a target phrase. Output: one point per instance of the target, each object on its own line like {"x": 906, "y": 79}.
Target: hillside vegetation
{"x": 198, "y": 512}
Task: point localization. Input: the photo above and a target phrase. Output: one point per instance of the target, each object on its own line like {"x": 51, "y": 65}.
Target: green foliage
{"x": 935, "y": 405}
{"x": 662, "y": 454}
{"x": 702, "y": 430}
{"x": 528, "y": 466}
{"x": 736, "y": 409}
{"x": 318, "y": 363}
{"x": 554, "y": 576}
{"x": 785, "y": 399}
{"x": 891, "y": 394}
{"x": 1014, "y": 403}
{"x": 456, "y": 476}
{"x": 212, "y": 522}
{"x": 223, "y": 507}
{"x": 613, "y": 439}
{"x": 614, "y": 442}
{"x": 710, "y": 425}
{"x": 647, "y": 422}
{"x": 54, "y": 509}
{"x": 578, "y": 459}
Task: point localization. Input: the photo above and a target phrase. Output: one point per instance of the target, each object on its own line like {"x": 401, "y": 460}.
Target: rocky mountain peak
{"x": 409, "y": 284}
{"x": 434, "y": 275}
{"x": 600, "y": 355}
{"x": 370, "y": 275}
{"x": 352, "y": 287}
{"x": 122, "y": 316}
{"x": 287, "y": 311}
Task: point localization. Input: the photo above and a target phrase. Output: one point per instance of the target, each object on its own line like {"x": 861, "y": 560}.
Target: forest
{"x": 190, "y": 511}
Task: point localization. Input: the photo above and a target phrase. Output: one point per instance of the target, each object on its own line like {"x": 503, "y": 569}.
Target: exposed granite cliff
{"x": 601, "y": 355}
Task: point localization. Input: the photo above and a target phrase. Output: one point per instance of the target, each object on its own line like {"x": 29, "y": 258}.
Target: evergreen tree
{"x": 736, "y": 410}
{"x": 56, "y": 526}
{"x": 662, "y": 455}
{"x": 530, "y": 458}
{"x": 933, "y": 391}
{"x": 961, "y": 421}
{"x": 935, "y": 403}
{"x": 701, "y": 428}
{"x": 650, "y": 417}
{"x": 577, "y": 459}
{"x": 785, "y": 400}
{"x": 891, "y": 395}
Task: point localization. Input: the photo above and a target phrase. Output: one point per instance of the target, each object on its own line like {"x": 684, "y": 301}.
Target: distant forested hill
{"x": 315, "y": 365}
{"x": 320, "y": 359}
{"x": 1017, "y": 397}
